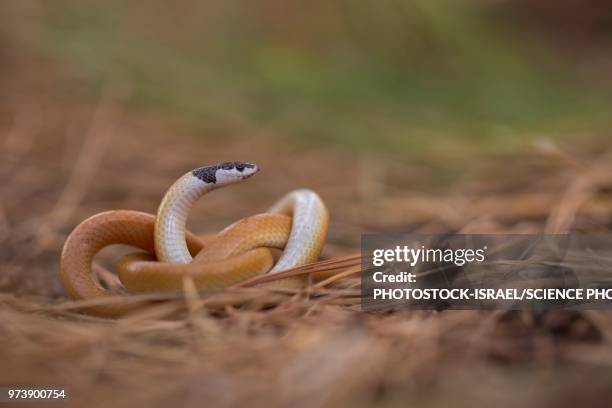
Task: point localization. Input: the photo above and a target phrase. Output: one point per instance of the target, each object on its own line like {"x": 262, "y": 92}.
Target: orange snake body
{"x": 297, "y": 224}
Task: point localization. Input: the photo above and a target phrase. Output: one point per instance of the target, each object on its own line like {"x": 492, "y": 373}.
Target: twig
{"x": 579, "y": 191}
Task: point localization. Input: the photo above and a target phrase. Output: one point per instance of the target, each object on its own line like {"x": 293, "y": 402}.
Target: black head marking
{"x": 208, "y": 173}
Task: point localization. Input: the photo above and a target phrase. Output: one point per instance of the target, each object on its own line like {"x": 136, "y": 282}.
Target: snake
{"x": 297, "y": 224}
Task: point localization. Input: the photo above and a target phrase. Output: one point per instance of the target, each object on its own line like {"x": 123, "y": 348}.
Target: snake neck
{"x": 170, "y": 224}
{"x": 171, "y": 220}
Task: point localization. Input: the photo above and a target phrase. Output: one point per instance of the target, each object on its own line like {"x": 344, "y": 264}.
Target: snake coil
{"x": 297, "y": 224}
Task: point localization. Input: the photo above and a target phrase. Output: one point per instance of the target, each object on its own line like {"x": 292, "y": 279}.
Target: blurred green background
{"x": 395, "y": 76}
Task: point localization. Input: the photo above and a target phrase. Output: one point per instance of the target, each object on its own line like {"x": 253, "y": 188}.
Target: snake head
{"x": 225, "y": 173}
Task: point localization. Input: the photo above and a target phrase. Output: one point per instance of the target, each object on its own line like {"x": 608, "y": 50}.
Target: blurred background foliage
{"x": 403, "y": 77}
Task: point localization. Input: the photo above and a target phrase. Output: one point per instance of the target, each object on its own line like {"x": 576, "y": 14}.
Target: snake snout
{"x": 247, "y": 169}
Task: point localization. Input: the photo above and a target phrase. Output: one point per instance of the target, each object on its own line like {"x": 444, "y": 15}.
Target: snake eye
{"x": 240, "y": 168}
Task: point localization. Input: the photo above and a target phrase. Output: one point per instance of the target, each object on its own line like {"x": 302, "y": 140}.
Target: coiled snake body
{"x": 297, "y": 224}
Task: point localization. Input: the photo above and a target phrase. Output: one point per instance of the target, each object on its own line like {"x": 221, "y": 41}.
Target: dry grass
{"x": 61, "y": 163}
